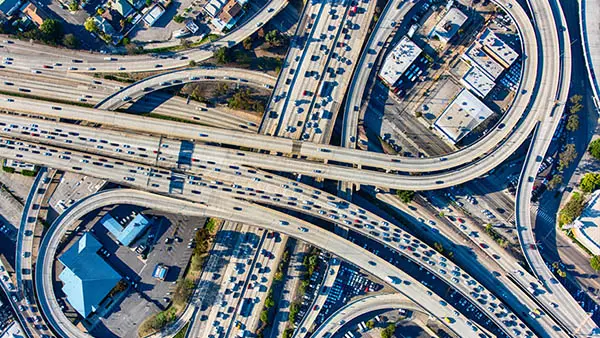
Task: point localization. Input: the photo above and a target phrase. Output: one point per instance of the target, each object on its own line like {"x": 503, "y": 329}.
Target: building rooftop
{"x": 122, "y": 6}
{"x": 477, "y": 57}
{"x": 398, "y": 60}
{"x": 449, "y": 25}
{"x": 213, "y": 7}
{"x": 461, "y": 116}
{"x": 497, "y": 48}
{"x": 125, "y": 231}
{"x": 34, "y": 14}
{"x": 230, "y": 10}
{"x": 7, "y": 7}
{"x": 14, "y": 330}
{"x": 478, "y": 82}
{"x": 586, "y": 227}
{"x": 87, "y": 277}
{"x": 154, "y": 14}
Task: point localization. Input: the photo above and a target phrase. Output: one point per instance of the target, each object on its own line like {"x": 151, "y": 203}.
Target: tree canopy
{"x": 590, "y": 182}
{"x": 594, "y": 149}
{"x": 405, "y": 195}
{"x": 595, "y": 263}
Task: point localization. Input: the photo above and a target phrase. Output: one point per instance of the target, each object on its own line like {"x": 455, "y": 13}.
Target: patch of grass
{"x": 172, "y": 118}
{"x": 182, "y": 332}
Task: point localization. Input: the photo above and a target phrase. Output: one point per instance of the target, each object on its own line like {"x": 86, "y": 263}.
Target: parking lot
{"x": 145, "y": 294}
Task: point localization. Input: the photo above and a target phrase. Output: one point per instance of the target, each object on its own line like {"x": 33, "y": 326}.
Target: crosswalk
{"x": 542, "y": 215}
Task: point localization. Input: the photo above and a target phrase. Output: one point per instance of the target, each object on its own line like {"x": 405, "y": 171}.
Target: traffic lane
{"x": 365, "y": 260}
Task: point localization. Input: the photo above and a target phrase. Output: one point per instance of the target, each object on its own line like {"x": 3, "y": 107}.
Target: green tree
{"x": 247, "y": 43}
{"x": 389, "y": 330}
{"x": 595, "y": 263}
{"x": 192, "y": 63}
{"x": 555, "y": 181}
{"x": 572, "y": 122}
{"x": 223, "y": 55}
{"x": 590, "y": 182}
{"x": 571, "y": 210}
{"x": 178, "y": 18}
{"x": 70, "y": 41}
{"x": 567, "y": 156}
{"x": 148, "y": 3}
{"x": 74, "y": 6}
{"x": 51, "y": 30}
{"x": 9, "y": 170}
{"x": 264, "y": 316}
{"x": 405, "y": 196}
{"x": 370, "y": 324}
{"x": 594, "y": 149}
{"x": 575, "y": 104}
{"x": 90, "y": 25}
{"x": 273, "y": 38}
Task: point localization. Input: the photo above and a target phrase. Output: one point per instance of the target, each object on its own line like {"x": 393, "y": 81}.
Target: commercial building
{"x": 448, "y": 26}
{"x": 497, "y": 48}
{"x": 478, "y": 82}
{"x": 586, "y": 228}
{"x": 125, "y": 229}
{"x": 476, "y": 56}
{"x": 87, "y": 278}
{"x": 398, "y": 61}
{"x": 461, "y": 116}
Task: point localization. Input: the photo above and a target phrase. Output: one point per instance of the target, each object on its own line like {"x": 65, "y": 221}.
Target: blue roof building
{"x": 87, "y": 277}
{"x": 125, "y": 234}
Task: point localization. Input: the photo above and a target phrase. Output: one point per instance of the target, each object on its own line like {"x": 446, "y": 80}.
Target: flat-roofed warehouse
{"x": 398, "y": 61}
{"x": 478, "y": 82}
{"x": 497, "y": 48}
{"x": 462, "y": 115}
{"x": 449, "y": 25}
{"x": 476, "y": 56}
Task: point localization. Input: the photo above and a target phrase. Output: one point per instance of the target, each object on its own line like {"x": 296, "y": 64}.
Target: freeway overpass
{"x": 254, "y": 215}
{"x": 148, "y": 178}
{"x": 179, "y": 77}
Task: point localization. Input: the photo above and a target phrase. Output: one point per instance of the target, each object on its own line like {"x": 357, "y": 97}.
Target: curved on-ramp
{"x": 179, "y": 77}
{"x": 549, "y": 16}
{"x": 253, "y": 214}
{"x": 359, "y": 307}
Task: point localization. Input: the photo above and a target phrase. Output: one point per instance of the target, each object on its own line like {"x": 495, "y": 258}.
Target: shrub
{"x": 405, "y": 196}
{"x": 590, "y": 182}
{"x": 9, "y": 170}
{"x": 594, "y": 149}
{"x": 572, "y": 209}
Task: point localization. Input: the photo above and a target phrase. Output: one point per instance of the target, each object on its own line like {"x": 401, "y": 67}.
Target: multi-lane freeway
{"x": 253, "y": 214}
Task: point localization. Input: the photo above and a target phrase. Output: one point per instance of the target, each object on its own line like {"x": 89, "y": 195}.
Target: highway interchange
{"x": 149, "y": 156}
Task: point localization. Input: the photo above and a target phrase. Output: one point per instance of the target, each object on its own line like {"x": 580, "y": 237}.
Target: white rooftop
{"x": 461, "y": 116}
{"x": 448, "y": 25}
{"x": 14, "y": 330}
{"x": 477, "y": 57}
{"x": 478, "y": 82}
{"x": 588, "y": 231}
{"x": 398, "y": 60}
{"x": 213, "y": 7}
{"x": 497, "y": 48}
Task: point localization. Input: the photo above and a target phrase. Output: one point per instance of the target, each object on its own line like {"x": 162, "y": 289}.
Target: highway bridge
{"x": 253, "y": 214}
